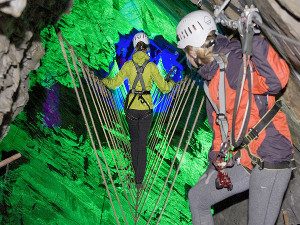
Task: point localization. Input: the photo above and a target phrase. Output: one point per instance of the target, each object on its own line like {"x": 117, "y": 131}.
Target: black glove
{"x": 171, "y": 73}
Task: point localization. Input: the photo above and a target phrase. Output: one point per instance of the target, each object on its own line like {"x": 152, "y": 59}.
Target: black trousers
{"x": 139, "y": 122}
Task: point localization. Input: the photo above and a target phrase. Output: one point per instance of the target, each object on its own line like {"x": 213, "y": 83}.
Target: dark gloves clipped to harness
{"x": 221, "y": 163}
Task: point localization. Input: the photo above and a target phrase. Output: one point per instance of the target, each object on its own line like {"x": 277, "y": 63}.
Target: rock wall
{"x": 283, "y": 17}
{"x": 21, "y": 50}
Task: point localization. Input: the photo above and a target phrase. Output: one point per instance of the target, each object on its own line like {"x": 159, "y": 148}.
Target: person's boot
{"x": 139, "y": 186}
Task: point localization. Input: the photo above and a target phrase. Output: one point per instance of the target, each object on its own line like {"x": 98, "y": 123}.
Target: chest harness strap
{"x": 221, "y": 112}
{"x": 139, "y": 78}
{"x": 253, "y": 133}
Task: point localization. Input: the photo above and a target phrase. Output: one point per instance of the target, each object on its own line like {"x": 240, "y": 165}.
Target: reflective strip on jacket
{"x": 151, "y": 74}
{"x": 270, "y": 76}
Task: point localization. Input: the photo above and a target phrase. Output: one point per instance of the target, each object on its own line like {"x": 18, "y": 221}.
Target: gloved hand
{"x": 197, "y": 2}
{"x": 171, "y": 74}
{"x": 248, "y": 28}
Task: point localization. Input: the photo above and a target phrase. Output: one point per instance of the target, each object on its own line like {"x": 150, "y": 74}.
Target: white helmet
{"x": 193, "y": 29}
{"x": 140, "y": 37}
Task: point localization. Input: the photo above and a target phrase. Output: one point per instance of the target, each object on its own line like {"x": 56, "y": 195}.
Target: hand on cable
{"x": 171, "y": 74}
{"x": 197, "y": 2}
{"x": 247, "y": 27}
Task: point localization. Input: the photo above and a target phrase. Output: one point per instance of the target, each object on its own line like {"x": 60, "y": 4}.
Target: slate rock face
{"x": 16, "y": 61}
{"x": 21, "y": 50}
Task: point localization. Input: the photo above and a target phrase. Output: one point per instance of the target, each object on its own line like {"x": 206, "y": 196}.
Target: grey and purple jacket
{"x": 270, "y": 76}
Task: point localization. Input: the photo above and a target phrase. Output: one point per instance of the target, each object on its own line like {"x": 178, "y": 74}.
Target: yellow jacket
{"x": 151, "y": 74}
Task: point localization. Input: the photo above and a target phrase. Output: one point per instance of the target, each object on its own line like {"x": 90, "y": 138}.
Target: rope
{"x": 173, "y": 115}
{"x": 106, "y": 122}
{"x": 168, "y": 129}
{"x": 87, "y": 126}
{"x": 184, "y": 151}
{"x": 160, "y": 121}
{"x": 158, "y": 130}
{"x": 109, "y": 122}
{"x": 178, "y": 147}
{"x": 156, "y": 138}
{"x": 97, "y": 136}
{"x": 113, "y": 115}
{"x": 160, "y": 124}
{"x": 88, "y": 81}
{"x": 110, "y": 107}
{"x": 155, "y": 141}
{"x": 110, "y": 112}
{"x": 125, "y": 145}
{"x": 120, "y": 118}
{"x": 170, "y": 138}
{"x": 106, "y": 106}
{"x": 277, "y": 34}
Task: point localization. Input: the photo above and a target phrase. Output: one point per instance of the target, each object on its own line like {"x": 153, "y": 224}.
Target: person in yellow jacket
{"x": 138, "y": 105}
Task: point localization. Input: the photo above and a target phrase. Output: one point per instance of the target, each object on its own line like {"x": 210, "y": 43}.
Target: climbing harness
{"x": 221, "y": 113}
{"x": 246, "y": 27}
{"x": 139, "y": 78}
{"x": 221, "y": 161}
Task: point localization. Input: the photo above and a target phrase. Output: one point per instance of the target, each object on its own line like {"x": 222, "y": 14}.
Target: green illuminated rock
{"x": 57, "y": 180}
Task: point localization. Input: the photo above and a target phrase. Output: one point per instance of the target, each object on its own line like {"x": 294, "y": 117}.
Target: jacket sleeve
{"x": 164, "y": 86}
{"x": 271, "y": 71}
{"x": 113, "y": 83}
{"x": 217, "y": 137}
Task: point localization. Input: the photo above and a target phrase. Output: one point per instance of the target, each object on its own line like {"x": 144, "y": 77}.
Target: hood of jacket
{"x": 140, "y": 57}
{"x": 222, "y": 45}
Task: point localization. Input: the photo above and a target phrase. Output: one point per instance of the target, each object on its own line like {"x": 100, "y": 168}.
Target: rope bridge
{"x": 109, "y": 137}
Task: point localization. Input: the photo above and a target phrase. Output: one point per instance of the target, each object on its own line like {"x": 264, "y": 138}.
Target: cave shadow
{"x": 226, "y": 203}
